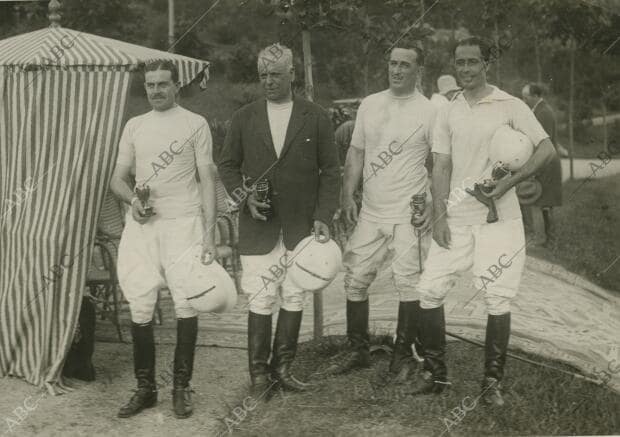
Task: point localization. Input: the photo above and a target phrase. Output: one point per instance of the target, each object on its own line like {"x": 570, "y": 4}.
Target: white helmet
{"x": 207, "y": 288}
{"x": 510, "y": 147}
{"x": 313, "y": 265}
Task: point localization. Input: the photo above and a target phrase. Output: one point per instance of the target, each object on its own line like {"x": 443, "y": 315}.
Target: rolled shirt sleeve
{"x": 442, "y": 140}
{"x": 126, "y": 146}
{"x": 203, "y": 144}
{"x": 358, "y": 139}
{"x": 523, "y": 119}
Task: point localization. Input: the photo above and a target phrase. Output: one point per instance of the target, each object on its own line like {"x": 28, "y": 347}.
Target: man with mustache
{"x": 284, "y": 145}
{"x": 165, "y": 146}
{"x": 391, "y": 141}
{"x": 463, "y": 239}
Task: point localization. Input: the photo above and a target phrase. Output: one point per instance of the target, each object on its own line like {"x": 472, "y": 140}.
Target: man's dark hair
{"x": 482, "y": 43}
{"x": 419, "y": 53}
{"x": 536, "y": 90}
{"x": 163, "y": 64}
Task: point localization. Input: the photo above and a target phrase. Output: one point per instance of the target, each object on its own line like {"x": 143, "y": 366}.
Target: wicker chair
{"x": 102, "y": 280}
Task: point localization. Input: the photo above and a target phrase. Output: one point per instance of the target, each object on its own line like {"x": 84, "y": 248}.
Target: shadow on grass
{"x": 538, "y": 401}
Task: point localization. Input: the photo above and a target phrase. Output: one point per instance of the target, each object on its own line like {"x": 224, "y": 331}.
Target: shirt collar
{"x": 414, "y": 95}
{"x": 496, "y": 95}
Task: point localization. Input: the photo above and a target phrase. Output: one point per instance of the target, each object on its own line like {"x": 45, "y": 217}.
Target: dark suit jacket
{"x": 305, "y": 178}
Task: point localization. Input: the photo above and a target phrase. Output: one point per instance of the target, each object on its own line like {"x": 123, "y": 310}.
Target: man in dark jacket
{"x": 550, "y": 177}
{"x": 285, "y": 144}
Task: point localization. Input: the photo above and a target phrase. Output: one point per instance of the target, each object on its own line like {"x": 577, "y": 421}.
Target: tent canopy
{"x": 63, "y": 97}
{"x": 63, "y": 48}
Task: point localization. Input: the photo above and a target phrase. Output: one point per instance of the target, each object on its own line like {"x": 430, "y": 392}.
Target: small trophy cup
{"x": 418, "y": 205}
{"x": 143, "y": 192}
{"x": 263, "y": 194}
{"x": 500, "y": 171}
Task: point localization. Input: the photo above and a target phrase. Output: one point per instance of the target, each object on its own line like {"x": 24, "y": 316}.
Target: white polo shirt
{"x": 465, "y": 133}
{"x": 166, "y": 147}
{"x": 396, "y": 136}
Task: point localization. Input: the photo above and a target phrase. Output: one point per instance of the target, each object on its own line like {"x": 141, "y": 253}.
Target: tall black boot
{"x": 259, "y": 349}
{"x": 187, "y": 331}
{"x": 284, "y": 350}
{"x": 358, "y": 355}
{"x": 433, "y": 337}
{"x": 495, "y": 350}
{"x": 144, "y": 370}
{"x": 403, "y": 363}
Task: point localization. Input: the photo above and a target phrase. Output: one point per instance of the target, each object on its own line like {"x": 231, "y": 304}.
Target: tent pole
{"x": 54, "y": 13}
{"x": 171, "y": 25}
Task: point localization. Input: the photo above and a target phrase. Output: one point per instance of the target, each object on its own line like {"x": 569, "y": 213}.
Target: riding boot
{"x": 144, "y": 369}
{"x": 358, "y": 354}
{"x": 284, "y": 350}
{"x": 495, "y": 350}
{"x": 403, "y": 363}
{"x": 259, "y": 349}
{"x": 187, "y": 331}
{"x": 434, "y": 379}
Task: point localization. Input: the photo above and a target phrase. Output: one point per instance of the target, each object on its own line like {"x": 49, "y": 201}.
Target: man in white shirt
{"x": 463, "y": 239}
{"x": 390, "y": 143}
{"x": 165, "y": 146}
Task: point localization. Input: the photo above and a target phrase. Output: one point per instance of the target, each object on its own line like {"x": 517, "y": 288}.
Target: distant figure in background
{"x": 550, "y": 176}
{"x": 447, "y": 87}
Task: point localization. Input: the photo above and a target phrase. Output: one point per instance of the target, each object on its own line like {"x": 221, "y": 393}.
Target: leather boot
{"x": 358, "y": 354}
{"x": 259, "y": 349}
{"x": 144, "y": 370}
{"x": 187, "y": 331}
{"x": 284, "y": 350}
{"x": 434, "y": 379}
{"x": 495, "y": 350}
{"x": 403, "y": 364}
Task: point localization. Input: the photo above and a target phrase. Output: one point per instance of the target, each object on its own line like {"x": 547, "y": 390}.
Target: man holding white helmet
{"x": 390, "y": 144}
{"x": 463, "y": 239}
{"x": 166, "y": 146}
{"x": 285, "y": 146}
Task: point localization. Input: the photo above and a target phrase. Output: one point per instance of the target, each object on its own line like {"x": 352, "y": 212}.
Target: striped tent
{"x": 63, "y": 98}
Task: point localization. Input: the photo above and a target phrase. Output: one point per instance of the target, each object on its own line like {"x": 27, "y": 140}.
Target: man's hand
{"x": 349, "y": 210}
{"x": 209, "y": 250}
{"x": 137, "y": 212}
{"x": 423, "y": 221}
{"x": 321, "y": 232}
{"x": 254, "y": 204}
{"x": 441, "y": 233}
{"x": 499, "y": 187}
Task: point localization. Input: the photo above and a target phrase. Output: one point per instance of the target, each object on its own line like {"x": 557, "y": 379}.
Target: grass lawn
{"x": 588, "y": 229}
{"x": 539, "y": 401}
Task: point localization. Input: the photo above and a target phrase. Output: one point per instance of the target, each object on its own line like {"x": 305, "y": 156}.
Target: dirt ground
{"x": 220, "y": 383}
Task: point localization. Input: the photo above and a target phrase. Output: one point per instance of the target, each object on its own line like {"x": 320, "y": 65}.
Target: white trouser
{"x": 496, "y": 251}
{"x": 264, "y": 275}
{"x": 149, "y": 259}
{"x": 369, "y": 246}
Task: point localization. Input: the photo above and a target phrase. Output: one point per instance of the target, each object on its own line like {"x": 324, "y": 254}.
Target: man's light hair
{"x": 275, "y": 53}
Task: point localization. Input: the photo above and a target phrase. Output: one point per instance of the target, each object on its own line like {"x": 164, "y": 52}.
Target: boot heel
{"x": 151, "y": 402}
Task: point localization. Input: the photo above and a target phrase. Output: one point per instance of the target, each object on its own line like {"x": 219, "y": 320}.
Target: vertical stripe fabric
{"x": 62, "y": 102}
{"x": 65, "y": 47}
{"x": 58, "y": 138}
